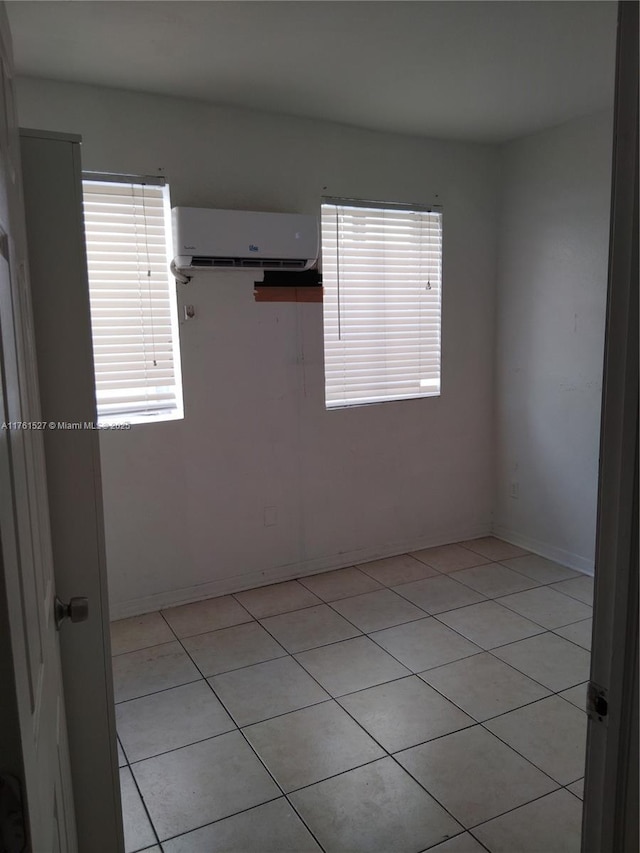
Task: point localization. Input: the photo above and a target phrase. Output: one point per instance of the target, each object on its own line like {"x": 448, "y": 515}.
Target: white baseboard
{"x": 276, "y": 574}
{"x": 544, "y": 549}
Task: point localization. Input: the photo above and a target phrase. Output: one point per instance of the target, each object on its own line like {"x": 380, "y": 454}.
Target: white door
{"x": 51, "y": 178}
{"x": 611, "y": 783}
{"x": 34, "y": 697}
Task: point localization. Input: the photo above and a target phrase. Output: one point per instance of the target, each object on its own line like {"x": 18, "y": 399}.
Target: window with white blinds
{"x": 382, "y": 277}
{"x": 133, "y": 310}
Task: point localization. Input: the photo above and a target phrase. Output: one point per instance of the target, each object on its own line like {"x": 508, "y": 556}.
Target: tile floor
{"x": 431, "y": 701}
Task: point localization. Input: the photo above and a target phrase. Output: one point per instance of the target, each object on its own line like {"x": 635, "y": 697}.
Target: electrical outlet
{"x": 515, "y": 491}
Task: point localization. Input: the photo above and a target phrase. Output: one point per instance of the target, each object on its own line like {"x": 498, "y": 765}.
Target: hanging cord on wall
{"x": 175, "y": 272}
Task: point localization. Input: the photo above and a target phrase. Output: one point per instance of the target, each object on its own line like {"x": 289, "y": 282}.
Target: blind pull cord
{"x": 338, "y": 277}
{"x": 146, "y": 243}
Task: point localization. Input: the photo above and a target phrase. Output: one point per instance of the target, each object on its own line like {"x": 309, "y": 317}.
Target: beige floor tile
{"x": 138, "y": 833}
{"x": 424, "y": 644}
{"x": 149, "y": 670}
{"x": 552, "y": 661}
{"x": 202, "y": 616}
{"x": 331, "y": 586}
{"x": 265, "y": 690}
{"x": 540, "y": 569}
{"x": 310, "y": 745}
{"x": 578, "y": 632}
{"x": 551, "y": 824}
{"x": 170, "y": 719}
{"x": 139, "y": 632}
{"x": 580, "y": 588}
{"x": 493, "y": 548}
{"x": 306, "y": 629}
{"x": 374, "y": 809}
{"x": 547, "y": 607}
{"x": 494, "y": 579}
{"x": 392, "y": 571}
{"x": 489, "y": 624}
{"x": 483, "y": 686}
{"x": 271, "y": 828}
{"x": 577, "y": 696}
{"x": 374, "y": 611}
{"x": 464, "y": 843}
{"x": 577, "y": 788}
{"x": 439, "y": 594}
{"x": 449, "y": 558}
{"x": 551, "y": 733}
{"x": 198, "y": 784}
{"x": 351, "y": 665}
{"x": 277, "y": 598}
{"x": 231, "y": 648}
{"x": 404, "y": 713}
{"x": 474, "y": 775}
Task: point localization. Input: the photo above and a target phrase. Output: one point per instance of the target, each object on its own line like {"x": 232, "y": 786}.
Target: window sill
{"x": 118, "y": 422}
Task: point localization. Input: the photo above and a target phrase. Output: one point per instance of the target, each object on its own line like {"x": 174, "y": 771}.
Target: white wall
{"x": 551, "y": 301}
{"x": 184, "y": 501}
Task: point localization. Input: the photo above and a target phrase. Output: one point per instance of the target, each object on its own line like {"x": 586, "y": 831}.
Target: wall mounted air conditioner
{"x": 218, "y": 239}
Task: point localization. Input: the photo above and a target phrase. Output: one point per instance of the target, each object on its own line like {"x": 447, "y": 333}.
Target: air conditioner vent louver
{"x": 262, "y": 263}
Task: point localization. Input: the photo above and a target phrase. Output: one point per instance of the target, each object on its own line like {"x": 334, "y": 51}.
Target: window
{"x": 382, "y": 276}
{"x": 133, "y": 306}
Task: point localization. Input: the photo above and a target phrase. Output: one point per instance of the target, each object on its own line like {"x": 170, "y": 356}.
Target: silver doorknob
{"x": 77, "y": 610}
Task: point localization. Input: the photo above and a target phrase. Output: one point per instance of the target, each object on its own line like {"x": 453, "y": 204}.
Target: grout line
{"x": 526, "y": 618}
{"x": 500, "y": 599}
{"x": 184, "y": 746}
{"x": 572, "y": 597}
{"x": 478, "y": 842}
{"x": 126, "y": 759}
{"x": 286, "y": 713}
{"x": 529, "y": 760}
{"x": 230, "y": 595}
{"x": 161, "y": 690}
{"x": 144, "y": 806}
{"x": 458, "y": 820}
{"x": 143, "y": 648}
{"x": 562, "y": 637}
{"x": 283, "y": 612}
{"x": 215, "y": 630}
{"x": 500, "y": 645}
{"x": 220, "y": 819}
{"x": 515, "y": 808}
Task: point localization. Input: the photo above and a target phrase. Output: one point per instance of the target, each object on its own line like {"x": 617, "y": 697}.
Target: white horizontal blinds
{"x": 131, "y": 310}
{"x": 382, "y": 277}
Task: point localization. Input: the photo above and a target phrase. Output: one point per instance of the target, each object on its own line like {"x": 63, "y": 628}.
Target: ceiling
{"x": 482, "y": 71}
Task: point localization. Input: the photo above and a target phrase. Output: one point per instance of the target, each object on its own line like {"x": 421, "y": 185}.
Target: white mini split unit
{"x": 240, "y": 239}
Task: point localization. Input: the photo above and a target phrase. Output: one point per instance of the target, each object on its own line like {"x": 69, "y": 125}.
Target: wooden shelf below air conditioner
{"x": 288, "y": 294}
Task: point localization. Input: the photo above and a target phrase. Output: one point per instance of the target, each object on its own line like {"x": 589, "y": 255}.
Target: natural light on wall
{"x": 133, "y": 305}
{"x": 382, "y": 277}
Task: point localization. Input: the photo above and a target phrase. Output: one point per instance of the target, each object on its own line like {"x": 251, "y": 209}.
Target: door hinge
{"x": 13, "y": 835}
{"x": 597, "y": 702}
